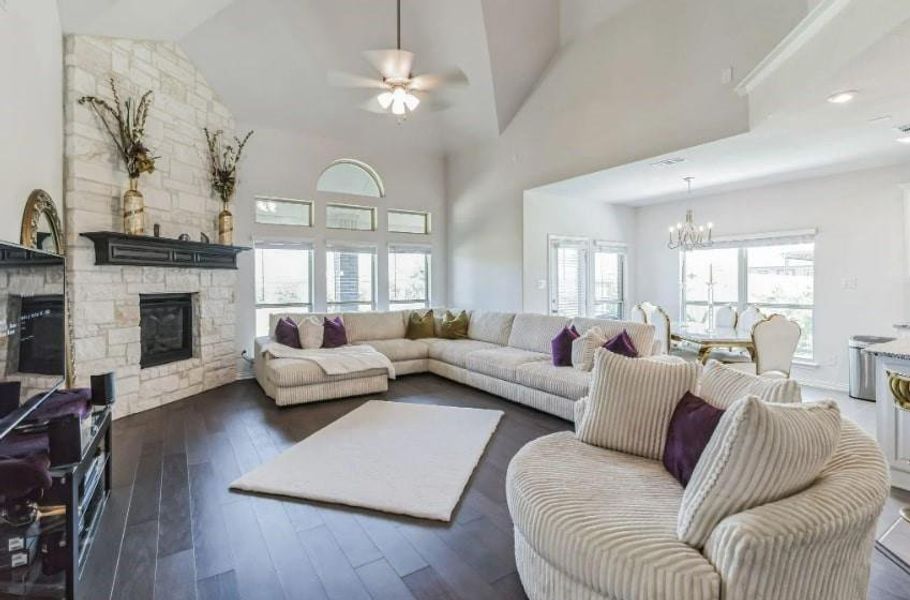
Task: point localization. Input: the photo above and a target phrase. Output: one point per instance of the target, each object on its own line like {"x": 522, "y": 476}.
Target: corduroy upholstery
{"x": 812, "y": 545}
{"x": 486, "y": 360}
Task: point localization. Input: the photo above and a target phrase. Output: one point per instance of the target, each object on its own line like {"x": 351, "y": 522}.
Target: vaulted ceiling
{"x": 269, "y": 59}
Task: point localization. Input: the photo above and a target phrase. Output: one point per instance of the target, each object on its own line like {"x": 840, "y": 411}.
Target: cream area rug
{"x": 410, "y": 459}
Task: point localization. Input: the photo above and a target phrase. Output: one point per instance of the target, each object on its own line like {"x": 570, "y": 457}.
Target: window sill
{"x": 805, "y": 363}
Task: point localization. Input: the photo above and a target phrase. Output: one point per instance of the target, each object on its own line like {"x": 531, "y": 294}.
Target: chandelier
{"x": 687, "y": 235}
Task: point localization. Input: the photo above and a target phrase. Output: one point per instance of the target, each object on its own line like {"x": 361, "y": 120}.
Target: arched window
{"x": 349, "y": 176}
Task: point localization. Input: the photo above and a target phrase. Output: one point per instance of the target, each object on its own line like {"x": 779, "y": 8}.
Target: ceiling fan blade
{"x": 393, "y": 64}
{"x": 372, "y": 105}
{"x": 349, "y": 80}
{"x": 429, "y": 81}
{"x": 430, "y": 103}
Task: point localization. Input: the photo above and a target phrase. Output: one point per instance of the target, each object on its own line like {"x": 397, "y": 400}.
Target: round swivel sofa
{"x": 592, "y": 523}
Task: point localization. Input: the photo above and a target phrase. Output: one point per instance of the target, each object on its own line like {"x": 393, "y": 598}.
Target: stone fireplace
{"x": 115, "y": 307}
{"x": 165, "y": 328}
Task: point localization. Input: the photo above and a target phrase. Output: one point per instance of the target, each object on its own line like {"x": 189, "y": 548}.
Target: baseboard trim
{"x": 822, "y": 385}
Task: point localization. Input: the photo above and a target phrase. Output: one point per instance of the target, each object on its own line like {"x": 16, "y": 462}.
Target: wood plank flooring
{"x": 173, "y": 530}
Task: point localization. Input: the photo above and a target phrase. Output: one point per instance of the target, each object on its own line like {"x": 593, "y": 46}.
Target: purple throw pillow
{"x": 334, "y": 334}
{"x": 691, "y": 426}
{"x": 622, "y": 344}
{"x": 561, "y": 346}
{"x": 286, "y": 333}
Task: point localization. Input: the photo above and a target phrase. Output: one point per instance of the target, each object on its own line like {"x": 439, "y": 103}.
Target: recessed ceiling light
{"x": 904, "y": 140}
{"x": 842, "y": 97}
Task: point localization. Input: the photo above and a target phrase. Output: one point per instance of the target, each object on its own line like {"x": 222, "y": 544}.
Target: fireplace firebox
{"x": 166, "y": 328}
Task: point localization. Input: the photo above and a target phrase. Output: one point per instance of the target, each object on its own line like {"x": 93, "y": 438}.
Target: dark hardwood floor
{"x": 173, "y": 530}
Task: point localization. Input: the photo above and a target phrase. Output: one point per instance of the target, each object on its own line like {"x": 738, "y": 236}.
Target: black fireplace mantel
{"x": 147, "y": 251}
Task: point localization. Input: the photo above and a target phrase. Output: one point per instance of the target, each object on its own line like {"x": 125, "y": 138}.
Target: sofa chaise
{"x": 505, "y": 354}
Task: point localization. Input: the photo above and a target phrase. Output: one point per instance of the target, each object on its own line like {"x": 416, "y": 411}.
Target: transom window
{"x": 352, "y": 177}
{"x": 284, "y": 281}
{"x": 350, "y": 278}
{"x": 284, "y": 211}
{"x": 409, "y": 221}
{"x": 409, "y": 277}
{"x": 349, "y": 216}
{"x": 775, "y": 274}
{"x": 586, "y": 278}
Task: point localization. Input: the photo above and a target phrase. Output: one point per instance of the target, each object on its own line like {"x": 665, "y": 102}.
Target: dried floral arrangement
{"x": 125, "y": 123}
{"x": 224, "y": 158}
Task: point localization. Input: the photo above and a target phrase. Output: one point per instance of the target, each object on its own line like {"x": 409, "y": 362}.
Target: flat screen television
{"x": 32, "y": 326}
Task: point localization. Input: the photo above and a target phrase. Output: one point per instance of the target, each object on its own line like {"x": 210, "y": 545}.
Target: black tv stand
{"x": 81, "y": 456}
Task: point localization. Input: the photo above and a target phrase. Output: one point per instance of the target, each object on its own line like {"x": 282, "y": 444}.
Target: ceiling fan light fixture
{"x": 398, "y": 107}
{"x": 411, "y": 101}
{"x": 385, "y": 100}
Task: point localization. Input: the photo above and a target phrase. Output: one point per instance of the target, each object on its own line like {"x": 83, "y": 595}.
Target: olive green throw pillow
{"x": 420, "y": 326}
{"x": 453, "y": 327}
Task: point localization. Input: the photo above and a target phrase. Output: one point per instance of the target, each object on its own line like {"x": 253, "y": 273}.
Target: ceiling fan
{"x": 400, "y": 91}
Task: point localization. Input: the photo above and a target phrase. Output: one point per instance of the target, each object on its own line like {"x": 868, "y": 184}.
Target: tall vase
{"x": 133, "y": 209}
{"x": 225, "y": 225}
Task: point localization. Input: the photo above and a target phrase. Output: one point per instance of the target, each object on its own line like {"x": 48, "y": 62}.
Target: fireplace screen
{"x": 166, "y": 325}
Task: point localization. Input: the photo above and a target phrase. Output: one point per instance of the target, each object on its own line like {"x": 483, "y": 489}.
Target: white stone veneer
{"x": 106, "y": 298}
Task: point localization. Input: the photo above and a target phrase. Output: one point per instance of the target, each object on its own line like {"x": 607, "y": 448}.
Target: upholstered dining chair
{"x": 775, "y": 339}
{"x": 748, "y": 318}
{"x": 655, "y": 315}
{"x": 724, "y": 317}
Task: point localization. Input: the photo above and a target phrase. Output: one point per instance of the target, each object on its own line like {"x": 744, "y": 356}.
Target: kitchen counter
{"x": 899, "y": 348}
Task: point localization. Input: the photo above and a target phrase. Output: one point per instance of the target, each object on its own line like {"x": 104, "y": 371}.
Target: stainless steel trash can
{"x": 862, "y": 365}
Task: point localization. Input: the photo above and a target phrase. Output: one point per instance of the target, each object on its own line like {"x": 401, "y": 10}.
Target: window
{"x": 283, "y": 211}
{"x": 409, "y": 277}
{"x": 568, "y": 276}
{"x": 781, "y": 280}
{"x": 353, "y": 177}
{"x": 587, "y": 278}
{"x": 407, "y": 221}
{"x": 284, "y": 281}
{"x": 709, "y": 277}
{"x": 350, "y": 279}
{"x": 775, "y": 274}
{"x": 347, "y": 216}
{"x": 609, "y": 274}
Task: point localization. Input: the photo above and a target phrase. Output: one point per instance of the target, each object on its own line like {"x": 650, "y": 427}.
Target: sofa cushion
{"x": 721, "y": 386}
{"x": 398, "y": 350}
{"x": 289, "y": 372}
{"x": 606, "y": 519}
{"x": 312, "y": 332}
{"x": 621, "y": 343}
{"x": 455, "y": 352}
{"x": 533, "y": 332}
{"x": 421, "y": 325}
{"x": 631, "y": 402}
{"x": 691, "y": 427}
{"x": 642, "y": 334}
{"x": 561, "y": 346}
{"x": 503, "y": 363}
{"x": 374, "y": 325}
{"x": 455, "y": 325}
{"x": 286, "y": 333}
{"x": 493, "y": 327}
{"x": 759, "y": 453}
{"x": 334, "y": 333}
{"x": 584, "y": 347}
{"x": 560, "y": 381}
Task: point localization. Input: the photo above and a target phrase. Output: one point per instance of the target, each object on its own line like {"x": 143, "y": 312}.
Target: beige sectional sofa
{"x": 506, "y": 354}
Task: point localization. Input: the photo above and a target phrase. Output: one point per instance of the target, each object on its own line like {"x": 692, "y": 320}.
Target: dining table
{"x": 708, "y": 339}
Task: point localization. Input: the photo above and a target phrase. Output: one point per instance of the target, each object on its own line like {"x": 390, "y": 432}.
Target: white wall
{"x": 645, "y": 82}
{"x": 31, "y": 108}
{"x": 547, "y": 215}
{"x": 860, "y": 221}
{"x": 287, "y": 164}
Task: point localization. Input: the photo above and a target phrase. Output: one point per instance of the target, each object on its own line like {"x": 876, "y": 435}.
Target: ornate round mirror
{"x": 41, "y": 227}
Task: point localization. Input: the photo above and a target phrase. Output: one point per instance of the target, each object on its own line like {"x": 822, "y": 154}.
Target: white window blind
{"x": 408, "y": 221}
{"x": 284, "y": 280}
{"x": 568, "y": 276}
{"x": 347, "y": 216}
{"x": 409, "y": 276}
{"x": 350, "y": 278}
{"x": 284, "y": 211}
